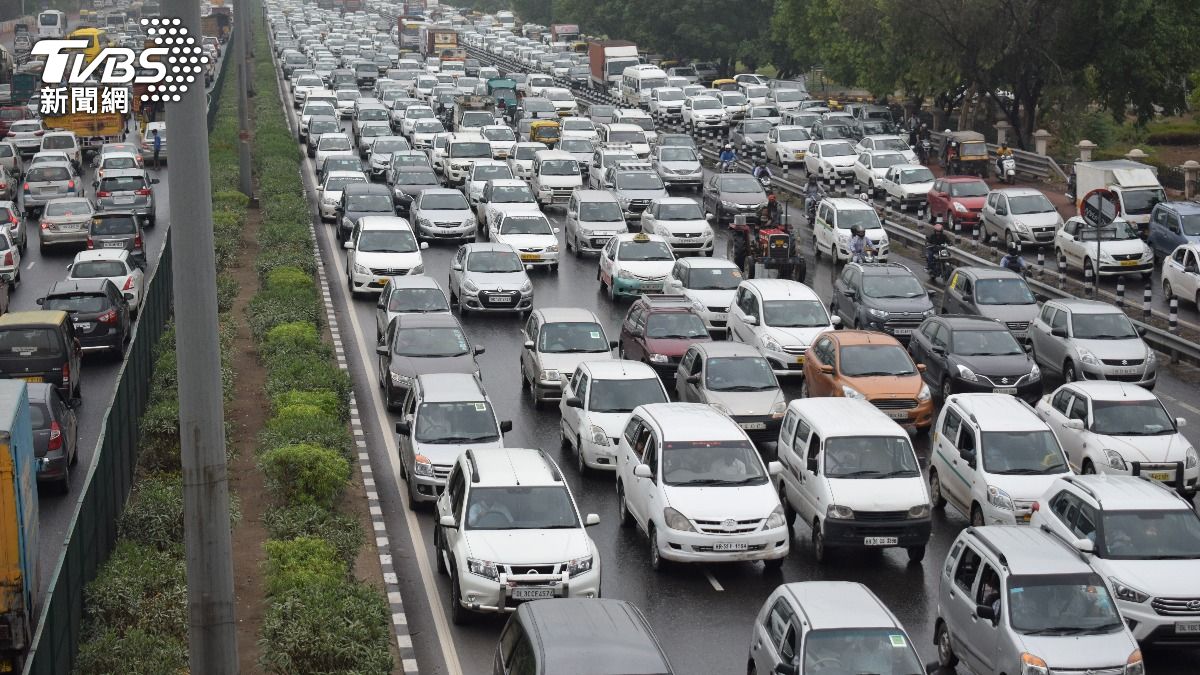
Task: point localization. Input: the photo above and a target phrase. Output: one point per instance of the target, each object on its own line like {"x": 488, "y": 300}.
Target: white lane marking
{"x": 31, "y": 264}
{"x": 713, "y": 580}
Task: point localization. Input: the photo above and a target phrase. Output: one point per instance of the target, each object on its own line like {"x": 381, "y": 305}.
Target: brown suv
{"x": 658, "y": 329}
{"x": 872, "y": 366}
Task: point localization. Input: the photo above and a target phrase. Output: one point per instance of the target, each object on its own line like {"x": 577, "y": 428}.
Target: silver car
{"x": 379, "y": 156}
{"x": 489, "y": 277}
{"x": 65, "y": 221}
{"x": 442, "y": 213}
{"x": 9, "y": 211}
{"x": 556, "y": 341}
{"x": 127, "y": 190}
{"x": 368, "y": 134}
{"x": 677, "y": 165}
{"x": 415, "y": 344}
{"x": 1091, "y": 340}
{"x": 49, "y": 181}
{"x": 318, "y": 126}
{"x": 27, "y": 136}
{"x": 738, "y": 381}
{"x": 10, "y": 158}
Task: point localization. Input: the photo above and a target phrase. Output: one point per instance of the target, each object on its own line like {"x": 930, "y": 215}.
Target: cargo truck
{"x": 564, "y": 32}
{"x": 92, "y": 129}
{"x": 18, "y": 526}
{"x": 609, "y": 59}
{"x": 437, "y": 41}
{"x": 1135, "y": 184}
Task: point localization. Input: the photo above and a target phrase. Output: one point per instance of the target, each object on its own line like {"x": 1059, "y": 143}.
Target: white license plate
{"x": 532, "y": 593}
{"x": 902, "y": 331}
{"x": 720, "y": 317}
{"x": 729, "y": 546}
{"x": 1161, "y": 475}
{"x": 1128, "y": 263}
{"x": 651, "y": 287}
{"x": 114, "y": 244}
{"x": 1005, "y": 390}
{"x": 753, "y": 426}
{"x": 897, "y": 414}
{"x": 1187, "y": 628}
{"x": 84, "y": 326}
{"x": 1126, "y": 371}
{"x": 122, "y": 200}
{"x": 501, "y": 299}
{"x": 880, "y": 541}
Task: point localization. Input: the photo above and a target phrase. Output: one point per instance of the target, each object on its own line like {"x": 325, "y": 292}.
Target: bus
{"x": 151, "y": 8}
{"x": 97, "y": 39}
{"x": 51, "y": 24}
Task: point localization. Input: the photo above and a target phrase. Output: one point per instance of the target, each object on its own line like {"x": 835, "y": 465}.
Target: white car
{"x": 597, "y": 400}
{"x": 346, "y": 98}
{"x": 578, "y": 127}
{"x": 837, "y": 217}
{"x": 704, "y": 111}
{"x": 410, "y": 117}
{"x": 633, "y": 264}
{"x": 1118, "y": 427}
{"x": 378, "y": 248}
{"x": 681, "y": 223}
{"x": 437, "y": 151}
{"x": 521, "y": 160}
{"x": 889, "y": 143}
{"x": 423, "y": 132}
{"x": 830, "y": 159}
{"x": 509, "y": 531}
{"x": 504, "y": 196}
{"x": 907, "y": 185}
{"x": 787, "y": 144}
{"x": 331, "y": 190}
{"x": 666, "y": 102}
{"x": 536, "y": 83}
{"x": 1121, "y": 250}
{"x": 781, "y": 318}
{"x": 563, "y": 100}
{"x": 479, "y": 174}
{"x": 117, "y": 266}
{"x": 735, "y": 103}
{"x": 531, "y": 235}
{"x": 332, "y": 144}
{"x": 502, "y": 139}
{"x": 711, "y": 284}
{"x": 1181, "y": 274}
{"x": 690, "y": 478}
{"x": 302, "y": 86}
{"x": 871, "y": 167}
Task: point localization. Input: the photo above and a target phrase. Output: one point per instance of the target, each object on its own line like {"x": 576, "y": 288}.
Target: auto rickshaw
{"x": 726, "y": 85}
{"x": 545, "y": 131}
{"x": 966, "y": 153}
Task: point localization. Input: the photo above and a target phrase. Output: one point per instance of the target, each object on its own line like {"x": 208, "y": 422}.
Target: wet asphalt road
{"x": 702, "y": 614}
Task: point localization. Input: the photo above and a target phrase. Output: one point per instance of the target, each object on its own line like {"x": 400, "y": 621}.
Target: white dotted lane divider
{"x": 408, "y": 656}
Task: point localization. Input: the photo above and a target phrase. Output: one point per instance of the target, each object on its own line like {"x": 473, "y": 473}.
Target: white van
{"x": 626, "y": 134}
{"x": 850, "y": 473}
{"x": 637, "y": 81}
{"x": 555, "y": 177}
{"x": 51, "y": 24}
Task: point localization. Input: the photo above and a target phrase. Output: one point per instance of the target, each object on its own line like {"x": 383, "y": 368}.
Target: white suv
{"x": 692, "y": 480}
{"x": 782, "y": 318}
{"x": 509, "y": 531}
{"x": 1143, "y": 539}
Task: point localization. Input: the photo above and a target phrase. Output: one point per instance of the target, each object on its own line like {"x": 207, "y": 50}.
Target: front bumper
{"x": 710, "y": 122}
{"x": 1036, "y": 236}
{"x": 539, "y": 259}
{"x": 1150, "y": 627}
{"x": 760, "y": 428}
{"x": 425, "y": 488}
{"x": 676, "y": 179}
{"x": 789, "y": 362}
{"x": 1029, "y": 391}
{"x": 908, "y": 413}
{"x": 1110, "y": 269}
{"x": 699, "y": 547}
{"x": 480, "y": 594}
{"x": 602, "y": 457}
{"x": 691, "y": 245}
{"x": 485, "y": 301}
{"x": 636, "y": 287}
{"x": 855, "y": 532}
{"x": 371, "y": 283}
{"x": 1143, "y": 375}
{"x": 590, "y": 242}
{"x": 436, "y": 231}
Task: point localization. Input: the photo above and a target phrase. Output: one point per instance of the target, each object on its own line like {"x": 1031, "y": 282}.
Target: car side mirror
{"x": 985, "y": 612}
{"x": 528, "y": 344}
{"x": 128, "y": 297}
{"x": 774, "y": 468}
{"x": 709, "y": 216}
{"x": 939, "y": 350}
{"x": 1085, "y": 545}
{"x": 1141, "y": 330}
{"x": 154, "y": 181}
{"x": 456, "y": 267}
{"x": 349, "y": 246}
{"x": 403, "y": 427}
{"x": 1058, "y": 332}
{"x": 1075, "y": 424}
{"x": 693, "y": 379}
{"x": 381, "y": 350}
{"x": 786, "y": 669}
{"x": 1180, "y": 422}
{"x": 751, "y": 320}
{"x": 505, "y": 426}
{"x": 424, "y": 246}
{"x": 921, "y": 368}
{"x": 574, "y": 402}
{"x": 827, "y": 368}
{"x": 591, "y": 519}
{"x": 448, "y": 521}
{"x": 479, "y": 350}
{"x": 642, "y": 471}
{"x": 835, "y": 321}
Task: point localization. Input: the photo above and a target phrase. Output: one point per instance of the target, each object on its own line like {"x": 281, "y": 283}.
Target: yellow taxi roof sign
{"x": 641, "y": 237}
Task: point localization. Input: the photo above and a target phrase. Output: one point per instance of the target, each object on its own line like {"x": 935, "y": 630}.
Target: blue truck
{"x": 18, "y": 526}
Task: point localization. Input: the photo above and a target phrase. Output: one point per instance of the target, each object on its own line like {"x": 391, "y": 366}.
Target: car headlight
{"x": 550, "y": 375}
{"x": 1035, "y": 373}
{"x": 843, "y": 236}
{"x": 838, "y": 512}
{"x": 1134, "y": 664}
{"x": 1189, "y": 458}
{"x": 624, "y": 274}
{"x": 418, "y": 269}
{"x": 721, "y": 408}
{"x": 851, "y": 392}
{"x": 599, "y": 437}
{"x": 779, "y": 409}
{"x": 999, "y": 498}
{"x": 659, "y": 358}
{"x": 359, "y": 269}
{"x": 552, "y": 248}
{"x": 1087, "y": 357}
{"x": 527, "y": 287}
{"x": 1033, "y": 665}
{"x": 469, "y": 222}
{"x": 579, "y": 566}
{"x": 959, "y": 207}
{"x": 676, "y": 520}
{"x": 967, "y": 374}
{"x": 1126, "y": 592}
{"x": 1105, "y": 255}
{"x": 878, "y": 313}
{"x": 770, "y": 344}
{"x": 470, "y": 287}
{"x": 422, "y": 466}
{"x": 1021, "y": 227}
{"x": 775, "y": 520}
{"x": 930, "y": 312}
{"x": 729, "y": 205}
{"x": 1151, "y": 357}
{"x": 1115, "y": 460}
{"x": 924, "y": 394}
{"x": 919, "y": 511}
{"x": 423, "y": 222}
{"x": 483, "y": 568}
{"x": 401, "y": 380}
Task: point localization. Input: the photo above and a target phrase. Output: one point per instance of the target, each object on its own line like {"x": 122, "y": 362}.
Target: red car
{"x": 13, "y": 113}
{"x": 658, "y": 329}
{"x": 957, "y": 199}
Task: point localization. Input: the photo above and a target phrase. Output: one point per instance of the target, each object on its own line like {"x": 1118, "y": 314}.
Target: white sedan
{"x": 1181, "y": 274}
{"x": 787, "y": 144}
{"x": 593, "y": 418}
{"x": 531, "y": 235}
{"x": 1118, "y": 246}
{"x": 117, "y": 266}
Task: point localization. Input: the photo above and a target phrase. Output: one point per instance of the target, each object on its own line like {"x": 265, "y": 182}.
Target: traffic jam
{"x": 621, "y": 379}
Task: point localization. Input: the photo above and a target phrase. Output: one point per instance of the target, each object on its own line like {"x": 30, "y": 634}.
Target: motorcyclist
{"x": 859, "y": 244}
{"x": 813, "y": 192}
{"x": 933, "y": 241}
{"x": 761, "y": 169}
{"x": 1012, "y": 260}
{"x": 502, "y": 109}
{"x": 1003, "y": 153}
{"x": 728, "y": 157}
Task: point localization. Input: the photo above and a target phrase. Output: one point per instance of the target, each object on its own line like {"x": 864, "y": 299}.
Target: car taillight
{"x": 45, "y": 225}
{"x": 11, "y": 134}
{"x": 91, "y": 244}
{"x": 70, "y": 185}
{"x": 128, "y": 284}
{"x": 137, "y": 241}
{"x": 144, "y": 192}
{"x": 25, "y": 187}
{"x": 102, "y": 193}
{"x": 66, "y": 374}
{"x": 55, "y": 437}
{"x": 39, "y": 132}
{"x": 8, "y": 258}
{"x": 108, "y": 317}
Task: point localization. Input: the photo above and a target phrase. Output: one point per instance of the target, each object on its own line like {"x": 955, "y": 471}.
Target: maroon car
{"x": 658, "y": 329}
{"x": 957, "y": 199}
{"x": 13, "y": 113}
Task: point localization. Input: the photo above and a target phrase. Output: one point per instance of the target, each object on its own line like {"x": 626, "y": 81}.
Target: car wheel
{"x": 564, "y": 443}
{"x": 63, "y": 485}
{"x": 818, "y": 542}
{"x": 579, "y": 461}
{"x": 1088, "y": 467}
{"x": 1010, "y": 242}
{"x": 439, "y": 548}
{"x": 977, "y": 516}
{"x": 947, "y": 389}
{"x": 936, "y": 498}
{"x": 804, "y": 391}
{"x": 1069, "y": 372}
{"x": 1167, "y": 290}
{"x": 946, "y": 657}
{"x": 458, "y": 614}
{"x": 413, "y": 504}
{"x": 389, "y": 399}
{"x": 624, "y": 517}
{"x": 657, "y": 563}
{"x": 915, "y": 553}
{"x": 773, "y": 565}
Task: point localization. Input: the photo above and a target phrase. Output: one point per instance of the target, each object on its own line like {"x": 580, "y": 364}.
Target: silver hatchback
{"x": 65, "y": 221}
{"x": 127, "y": 190}
{"x": 49, "y": 181}
{"x": 1091, "y": 340}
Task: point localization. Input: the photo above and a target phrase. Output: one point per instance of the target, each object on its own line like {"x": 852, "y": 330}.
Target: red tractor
{"x": 772, "y": 244}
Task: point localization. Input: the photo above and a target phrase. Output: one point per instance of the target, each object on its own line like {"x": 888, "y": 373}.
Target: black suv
{"x": 885, "y": 297}
{"x": 974, "y": 354}
{"x": 362, "y": 199}
{"x": 98, "y": 310}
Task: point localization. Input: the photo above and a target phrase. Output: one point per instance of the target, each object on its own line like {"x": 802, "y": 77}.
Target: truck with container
{"x": 436, "y": 41}
{"x": 93, "y": 129}
{"x": 19, "y": 582}
{"x": 564, "y": 32}
{"x": 503, "y": 89}
{"x": 468, "y": 103}
{"x": 608, "y": 60}
{"x": 1135, "y": 184}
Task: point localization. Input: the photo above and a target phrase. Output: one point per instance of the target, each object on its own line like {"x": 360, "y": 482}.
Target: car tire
{"x": 1010, "y": 242}
{"x": 772, "y": 565}
{"x": 411, "y": 489}
{"x": 389, "y": 401}
{"x": 1088, "y": 467}
{"x": 1167, "y": 290}
{"x": 657, "y": 562}
{"x": 1068, "y": 371}
{"x": 564, "y": 443}
{"x": 459, "y": 615}
{"x": 624, "y": 517}
{"x": 915, "y": 554}
{"x": 804, "y": 391}
{"x": 946, "y": 656}
{"x": 977, "y": 516}
{"x": 580, "y": 464}
{"x": 936, "y": 498}
{"x": 818, "y": 543}
{"x": 947, "y": 389}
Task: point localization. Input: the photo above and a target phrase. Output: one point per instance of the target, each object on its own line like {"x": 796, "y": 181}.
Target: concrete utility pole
{"x": 241, "y": 54}
{"x": 212, "y": 638}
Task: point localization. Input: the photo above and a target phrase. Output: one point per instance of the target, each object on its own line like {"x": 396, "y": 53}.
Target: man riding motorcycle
{"x": 813, "y": 194}
{"x": 761, "y": 170}
{"x": 728, "y": 157}
{"x": 859, "y": 244}
{"x": 1012, "y": 260}
{"x": 1002, "y": 154}
{"x": 933, "y": 241}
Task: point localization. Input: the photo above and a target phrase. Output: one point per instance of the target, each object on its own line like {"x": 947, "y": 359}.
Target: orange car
{"x": 872, "y": 366}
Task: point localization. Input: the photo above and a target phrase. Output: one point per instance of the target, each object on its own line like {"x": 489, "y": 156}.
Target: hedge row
{"x": 135, "y": 614}
{"x": 319, "y": 617}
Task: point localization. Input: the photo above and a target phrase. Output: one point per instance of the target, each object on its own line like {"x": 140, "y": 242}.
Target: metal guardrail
{"x": 1028, "y": 163}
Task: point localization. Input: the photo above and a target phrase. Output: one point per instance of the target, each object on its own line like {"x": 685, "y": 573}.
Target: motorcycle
{"x": 810, "y": 208}
{"x": 765, "y": 181}
{"x": 923, "y": 150}
{"x": 939, "y": 267}
{"x": 1006, "y": 169}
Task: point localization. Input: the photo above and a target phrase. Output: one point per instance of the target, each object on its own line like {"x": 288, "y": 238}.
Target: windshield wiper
{"x": 1021, "y": 472}
{"x": 856, "y": 474}
{"x": 1101, "y": 629}
{"x": 873, "y": 373}
{"x": 744, "y": 387}
{"x": 720, "y": 481}
{"x": 1055, "y": 630}
{"x": 902, "y": 472}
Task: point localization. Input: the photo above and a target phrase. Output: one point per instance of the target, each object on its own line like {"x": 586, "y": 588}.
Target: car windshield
{"x": 477, "y": 118}
{"x": 511, "y": 194}
{"x": 538, "y": 105}
{"x": 374, "y": 130}
{"x": 600, "y": 212}
{"x": 622, "y": 396}
{"x": 997, "y": 342}
{"x": 319, "y": 126}
{"x": 1118, "y": 230}
{"x": 373, "y": 115}
{"x": 578, "y": 125}
{"x": 25, "y": 127}
{"x": 386, "y": 146}
{"x": 875, "y": 361}
{"x": 472, "y": 422}
{"x": 1141, "y": 202}
{"x": 910, "y": 176}
{"x": 639, "y": 181}
{"x": 794, "y": 314}
{"x": 1062, "y": 604}
{"x": 387, "y": 241}
{"x": 1131, "y": 418}
{"x": 733, "y": 99}
{"x": 557, "y": 95}
{"x": 428, "y": 127}
{"x": 59, "y": 142}
{"x": 836, "y": 149}
{"x": 444, "y": 201}
{"x": 96, "y": 269}
{"x": 740, "y": 185}
{"x": 430, "y": 342}
{"x": 77, "y": 302}
{"x": 1149, "y": 535}
{"x": 46, "y": 174}
{"x": 858, "y": 457}
{"x": 499, "y": 134}
{"x": 484, "y": 172}
{"x": 347, "y": 95}
{"x": 829, "y": 130}
{"x": 1022, "y": 453}
{"x": 1003, "y": 292}
{"x": 370, "y": 203}
{"x": 675, "y": 326}
{"x": 470, "y": 150}
{"x": 528, "y": 151}
{"x": 712, "y": 463}
{"x": 850, "y": 651}
{"x": 417, "y": 300}
{"x": 970, "y": 189}
{"x": 333, "y": 142}
{"x": 645, "y": 251}
{"x": 786, "y": 135}
{"x": 68, "y": 208}
{"x": 1112, "y": 326}
{"x": 535, "y": 224}
{"x": 494, "y": 262}
{"x": 677, "y": 154}
{"x": 576, "y": 146}
{"x": 682, "y": 211}
{"x": 337, "y": 183}
{"x": 740, "y": 373}
{"x": 1191, "y": 224}
{"x": 646, "y": 123}
{"x": 560, "y": 167}
{"x": 520, "y": 508}
{"x": 120, "y": 162}
{"x": 115, "y": 225}
{"x": 756, "y": 127}
{"x": 416, "y": 178}
{"x": 1020, "y": 205}
{"x": 575, "y": 337}
{"x": 892, "y": 286}
{"x": 884, "y": 160}
{"x": 665, "y": 94}
{"x": 418, "y": 112}
{"x": 319, "y": 109}
{"x": 627, "y": 136}
{"x": 706, "y": 104}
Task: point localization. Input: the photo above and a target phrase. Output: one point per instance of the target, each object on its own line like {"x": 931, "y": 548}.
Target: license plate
{"x": 34, "y": 378}
{"x": 1187, "y": 628}
{"x": 880, "y": 541}
{"x": 898, "y": 414}
{"x": 1128, "y": 263}
{"x": 114, "y": 244}
{"x": 753, "y": 425}
{"x": 800, "y": 360}
{"x": 1024, "y": 520}
{"x": 720, "y": 317}
{"x": 382, "y": 281}
{"x": 1126, "y": 371}
{"x": 651, "y": 287}
{"x": 729, "y": 546}
{"x": 532, "y": 593}
{"x": 902, "y": 331}
{"x": 123, "y": 200}
{"x": 799, "y": 155}
{"x": 1161, "y": 475}
{"x": 1005, "y": 390}
{"x": 87, "y": 325}
{"x": 531, "y": 256}
{"x": 500, "y": 299}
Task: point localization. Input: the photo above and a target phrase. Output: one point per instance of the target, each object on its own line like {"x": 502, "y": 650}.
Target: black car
{"x": 974, "y": 354}
{"x": 832, "y": 129}
{"x": 407, "y": 182}
{"x": 117, "y": 229}
{"x": 730, "y": 194}
{"x": 884, "y": 297}
{"x": 471, "y": 67}
{"x": 55, "y": 435}
{"x": 98, "y": 310}
{"x": 362, "y": 199}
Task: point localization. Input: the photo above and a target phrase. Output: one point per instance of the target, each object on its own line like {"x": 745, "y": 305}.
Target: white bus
{"x": 52, "y": 24}
{"x": 637, "y": 81}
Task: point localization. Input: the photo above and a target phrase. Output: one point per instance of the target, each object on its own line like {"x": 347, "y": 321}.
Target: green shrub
{"x": 299, "y": 562}
{"x": 230, "y": 199}
{"x": 305, "y": 474}
{"x": 295, "y": 339}
{"x": 1174, "y": 137}
{"x": 325, "y": 401}
{"x": 227, "y": 290}
{"x": 282, "y": 278}
{"x": 159, "y": 446}
{"x": 301, "y": 257}
{"x": 325, "y": 431}
{"x": 140, "y": 587}
{"x": 327, "y": 628}
{"x": 154, "y": 514}
{"x": 309, "y": 520}
{"x": 276, "y": 306}
{"x": 131, "y": 652}
{"x": 308, "y": 375}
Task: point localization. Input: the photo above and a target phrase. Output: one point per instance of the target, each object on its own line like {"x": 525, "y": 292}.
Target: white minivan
{"x": 555, "y": 177}
{"x": 850, "y": 473}
{"x": 638, "y": 81}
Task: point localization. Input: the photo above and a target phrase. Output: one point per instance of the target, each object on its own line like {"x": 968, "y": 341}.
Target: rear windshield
{"x": 61, "y": 142}
{"x": 21, "y": 342}
{"x": 96, "y": 269}
{"x": 47, "y": 173}
{"x": 78, "y": 302}
{"x": 115, "y": 225}
{"x": 12, "y": 114}
{"x": 68, "y": 208}
{"x": 122, "y": 183}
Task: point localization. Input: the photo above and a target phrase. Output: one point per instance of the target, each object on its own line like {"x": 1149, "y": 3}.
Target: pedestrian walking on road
{"x": 157, "y": 147}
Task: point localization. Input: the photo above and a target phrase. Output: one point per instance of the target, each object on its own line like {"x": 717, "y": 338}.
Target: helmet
{"x": 728, "y": 146}
{"x": 937, "y": 227}
{"x": 1012, "y": 248}
{"x": 946, "y": 131}
{"x": 863, "y": 196}
{"x": 1004, "y": 145}
{"x": 812, "y": 179}
{"x": 858, "y": 230}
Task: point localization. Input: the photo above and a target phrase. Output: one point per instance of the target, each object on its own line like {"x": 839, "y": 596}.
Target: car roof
{"x": 593, "y": 196}
{"x": 1108, "y": 390}
{"x": 839, "y": 604}
{"x": 477, "y": 246}
{"x": 515, "y": 466}
{"x": 384, "y": 223}
{"x": 369, "y": 188}
{"x": 430, "y": 320}
{"x": 970, "y": 322}
{"x": 849, "y": 203}
{"x": 962, "y": 179}
{"x": 998, "y": 412}
{"x": 566, "y": 315}
{"x": 440, "y": 191}
{"x": 102, "y": 254}
{"x": 1118, "y": 492}
{"x": 1082, "y": 306}
{"x": 725, "y": 348}
{"x": 78, "y": 285}
{"x": 553, "y": 154}
{"x": 121, "y": 173}
{"x": 575, "y": 631}
{"x": 450, "y": 387}
{"x": 781, "y": 288}
{"x": 345, "y": 174}
{"x": 839, "y": 416}
{"x": 883, "y": 269}
{"x": 1187, "y": 207}
{"x": 37, "y": 317}
{"x": 692, "y": 422}
{"x": 415, "y": 281}
{"x": 1027, "y": 551}
{"x": 618, "y": 369}
{"x": 705, "y": 262}
{"x": 988, "y": 272}
{"x": 1018, "y": 191}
